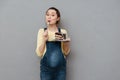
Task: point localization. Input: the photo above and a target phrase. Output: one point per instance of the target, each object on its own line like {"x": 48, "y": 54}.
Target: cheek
{"x": 54, "y": 18}
{"x": 46, "y": 17}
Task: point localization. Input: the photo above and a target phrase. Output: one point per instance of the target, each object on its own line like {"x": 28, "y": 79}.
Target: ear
{"x": 58, "y": 18}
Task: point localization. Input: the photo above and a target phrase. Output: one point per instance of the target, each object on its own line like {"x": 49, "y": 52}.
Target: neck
{"x": 52, "y": 27}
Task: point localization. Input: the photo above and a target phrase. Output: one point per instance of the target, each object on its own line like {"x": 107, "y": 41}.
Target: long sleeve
{"x": 39, "y": 42}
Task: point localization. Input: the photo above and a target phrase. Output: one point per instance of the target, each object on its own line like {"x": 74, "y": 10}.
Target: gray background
{"x": 93, "y": 26}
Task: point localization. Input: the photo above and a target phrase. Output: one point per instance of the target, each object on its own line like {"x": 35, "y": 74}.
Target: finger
{"x": 46, "y": 32}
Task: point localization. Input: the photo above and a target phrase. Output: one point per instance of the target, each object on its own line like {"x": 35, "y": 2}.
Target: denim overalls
{"x": 53, "y": 63}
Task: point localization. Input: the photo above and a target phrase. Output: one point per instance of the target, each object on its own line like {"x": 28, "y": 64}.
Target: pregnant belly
{"x": 55, "y": 59}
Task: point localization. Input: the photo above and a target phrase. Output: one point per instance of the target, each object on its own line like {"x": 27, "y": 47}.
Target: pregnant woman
{"x": 53, "y": 53}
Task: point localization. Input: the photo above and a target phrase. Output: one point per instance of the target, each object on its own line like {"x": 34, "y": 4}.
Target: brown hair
{"x": 57, "y": 12}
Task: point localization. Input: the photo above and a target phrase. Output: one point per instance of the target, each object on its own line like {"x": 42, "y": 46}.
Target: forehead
{"x": 52, "y": 11}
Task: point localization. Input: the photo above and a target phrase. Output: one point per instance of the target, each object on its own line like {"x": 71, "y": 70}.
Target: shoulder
{"x": 63, "y": 30}
{"x": 41, "y": 30}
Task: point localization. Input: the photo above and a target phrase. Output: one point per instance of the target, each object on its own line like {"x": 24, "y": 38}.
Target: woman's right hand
{"x": 45, "y": 35}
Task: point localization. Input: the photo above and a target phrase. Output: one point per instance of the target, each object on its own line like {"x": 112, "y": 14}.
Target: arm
{"x": 66, "y": 45}
{"x": 41, "y": 49}
{"x": 41, "y": 42}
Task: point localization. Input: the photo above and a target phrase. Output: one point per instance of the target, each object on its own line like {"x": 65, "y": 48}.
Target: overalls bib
{"x": 53, "y": 63}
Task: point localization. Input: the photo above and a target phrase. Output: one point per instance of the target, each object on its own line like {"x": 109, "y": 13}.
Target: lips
{"x": 49, "y": 20}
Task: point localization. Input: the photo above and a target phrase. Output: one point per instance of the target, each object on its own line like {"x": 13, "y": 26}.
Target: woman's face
{"x": 51, "y": 17}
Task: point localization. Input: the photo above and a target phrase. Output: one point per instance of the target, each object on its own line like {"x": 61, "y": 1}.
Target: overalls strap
{"x": 45, "y": 29}
{"x": 59, "y": 30}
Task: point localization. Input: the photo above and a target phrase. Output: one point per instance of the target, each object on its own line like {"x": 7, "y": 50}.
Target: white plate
{"x": 68, "y": 39}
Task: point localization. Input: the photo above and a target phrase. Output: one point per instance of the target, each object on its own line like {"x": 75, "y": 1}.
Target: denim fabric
{"x": 53, "y": 63}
